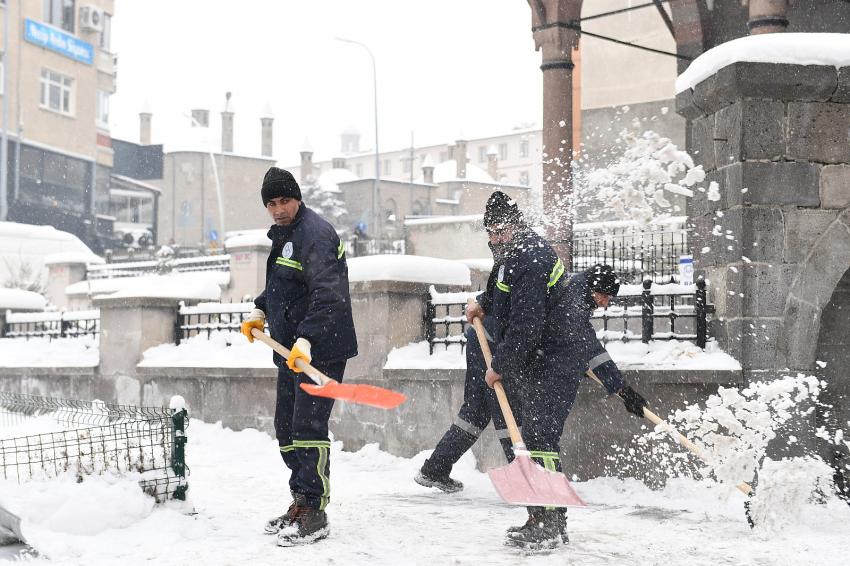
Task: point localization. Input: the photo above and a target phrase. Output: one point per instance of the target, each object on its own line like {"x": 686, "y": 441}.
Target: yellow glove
{"x": 255, "y": 319}
{"x": 300, "y": 351}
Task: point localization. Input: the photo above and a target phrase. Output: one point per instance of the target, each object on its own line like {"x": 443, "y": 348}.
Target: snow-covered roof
{"x": 72, "y": 257}
{"x": 415, "y": 269}
{"x": 330, "y": 179}
{"x": 447, "y": 171}
{"x": 794, "y": 48}
{"x": 28, "y": 244}
{"x": 18, "y": 299}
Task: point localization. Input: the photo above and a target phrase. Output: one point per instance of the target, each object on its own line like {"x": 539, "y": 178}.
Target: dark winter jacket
{"x": 306, "y": 294}
{"x": 573, "y": 334}
{"x": 519, "y": 302}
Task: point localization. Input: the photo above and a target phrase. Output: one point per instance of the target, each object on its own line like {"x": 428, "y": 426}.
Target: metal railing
{"x": 58, "y": 324}
{"x": 92, "y": 437}
{"x": 634, "y": 256}
{"x": 661, "y": 309}
{"x": 179, "y": 265}
{"x": 208, "y": 317}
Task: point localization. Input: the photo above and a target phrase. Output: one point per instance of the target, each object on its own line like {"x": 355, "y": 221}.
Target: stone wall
{"x": 776, "y": 139}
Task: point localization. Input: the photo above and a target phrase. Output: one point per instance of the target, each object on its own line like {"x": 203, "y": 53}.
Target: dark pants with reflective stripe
{"x": 301, "y": 425}
{"x": 479, "y": 406}
{"x": 549, "y": 394}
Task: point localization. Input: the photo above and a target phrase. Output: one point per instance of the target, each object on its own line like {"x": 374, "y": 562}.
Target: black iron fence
{"x": 93, "y": 437}
{"x": 647, "y": 312}
{"x": 209, "y": 317}
{"x": 59, "y": 324}
{"x": 634, "y": 256}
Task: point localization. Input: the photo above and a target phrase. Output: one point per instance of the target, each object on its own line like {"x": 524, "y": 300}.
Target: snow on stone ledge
{"x": 791, "y": 48}
{"x": 73, "y": 257}
{"x": 202, "y": 285}
{"x": 657, "y": 355}
{"x": 221, "y": 349}
{"x": 18, "y": 299}
{"x": 79, "y": 351}
{"x": 248, "y": 238}
{"x": 438, "y": 298}
{"x": 410, "y": 268}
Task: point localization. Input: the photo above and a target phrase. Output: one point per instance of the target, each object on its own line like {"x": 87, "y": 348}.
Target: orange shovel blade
{"x": 522, "y": 482}
{"x": 357, "y": 393}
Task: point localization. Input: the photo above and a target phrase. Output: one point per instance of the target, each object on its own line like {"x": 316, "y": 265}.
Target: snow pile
{"x": 669, "y": 355}
{"x": 18, "y": 299}
{"x": 637, "y": 185}
{"x": 238, "y": 481}
{"x": 411, "y": 268}
{"x": 416, "y": 356}
{"x": 438, "y": 298}
{"x": 81, "y": 351}
{"x": 220, "y": 349}
{"x": 793, "y": 48}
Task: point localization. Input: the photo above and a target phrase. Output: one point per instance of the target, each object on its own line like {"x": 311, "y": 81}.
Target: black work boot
{"x": 533, "y": 512}
{"x": 307, "y": 526}
{"x": 562, "y": 524}
{"x": 275, "y": 525}
{"x": 541, "y": 532}
{"x": 442, "y": 482}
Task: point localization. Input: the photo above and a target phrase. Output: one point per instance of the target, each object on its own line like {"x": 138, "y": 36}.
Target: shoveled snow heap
{"x": 794, "y": 48}
{"x": 379, "y": 516}
{"x": 79, "y": 351}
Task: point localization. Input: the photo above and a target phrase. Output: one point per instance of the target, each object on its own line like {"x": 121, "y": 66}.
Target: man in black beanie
{"x": 307, "y": 304}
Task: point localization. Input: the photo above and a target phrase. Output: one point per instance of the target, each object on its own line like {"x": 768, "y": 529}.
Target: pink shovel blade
{"x": 522, "y": 482}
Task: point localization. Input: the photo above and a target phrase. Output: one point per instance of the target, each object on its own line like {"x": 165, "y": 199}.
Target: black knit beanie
{"x": 602, "y": 279}
{"x": 279, "y": 183}
{"x": 501, "y": 210}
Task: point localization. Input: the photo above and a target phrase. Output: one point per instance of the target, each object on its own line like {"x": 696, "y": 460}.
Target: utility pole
{"x": 4, "y": 150}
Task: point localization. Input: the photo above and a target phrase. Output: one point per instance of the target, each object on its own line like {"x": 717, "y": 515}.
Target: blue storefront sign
{"x": 58, "y": 41}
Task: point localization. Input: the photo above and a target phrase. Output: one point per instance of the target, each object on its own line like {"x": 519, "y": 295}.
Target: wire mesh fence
{"x": 88, "y": 438}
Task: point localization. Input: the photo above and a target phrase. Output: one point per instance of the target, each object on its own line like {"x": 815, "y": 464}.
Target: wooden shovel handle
{"x": 744, "y": 487}
{"x": 312, "y": 373}
{"x": 513, "y": 429}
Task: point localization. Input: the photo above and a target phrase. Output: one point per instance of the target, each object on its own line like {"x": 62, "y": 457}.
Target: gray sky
{"x": 446, "y": 68}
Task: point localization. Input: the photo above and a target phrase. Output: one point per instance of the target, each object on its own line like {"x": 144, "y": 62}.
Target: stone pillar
{"x": 247, "y": 270}
{"x": 767, "y": 16}
{"x": 128, "y": 327}
{"x": 60, "y": 275}
{"x": 555, "y": 35}
{"x": 145, "y": 119}
{"x": 774, "y": 241}
{"x": 460, "y": 159}
{"x": 266, "y": 136}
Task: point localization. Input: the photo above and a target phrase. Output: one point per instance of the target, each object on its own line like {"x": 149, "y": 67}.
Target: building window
{"x": 482, "y": 154}
{"x": 358, "y": 170}
{"x": 56, "y": 91}
{"x": 503, "y": 151}
{"x": 523, "y": 148}
{"x": 106, "y": 34}
{"x": 523, "y": 178}
{"x": 103, "y": 108}
{"x": 60, "y": 13}
{"x": 387, "y": 167}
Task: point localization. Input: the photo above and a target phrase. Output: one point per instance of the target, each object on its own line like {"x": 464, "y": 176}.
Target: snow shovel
{"x": 744, "y": 487}
{"x": 326, "y": 387}
{"x": 523, "y": 482}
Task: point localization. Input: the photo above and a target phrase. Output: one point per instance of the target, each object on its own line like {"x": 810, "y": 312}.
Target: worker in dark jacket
{"x": 544, "y": 334}
{"x": 480, "y": 405}
{"x": 308, "y": 308}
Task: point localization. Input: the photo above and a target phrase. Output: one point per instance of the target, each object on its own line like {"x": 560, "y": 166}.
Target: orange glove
{"x": 300, "y": 351}
{"x": 255, "y": 319}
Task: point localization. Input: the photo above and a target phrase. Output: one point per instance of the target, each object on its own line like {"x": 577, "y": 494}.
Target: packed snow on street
{"x": 378, "y": 514}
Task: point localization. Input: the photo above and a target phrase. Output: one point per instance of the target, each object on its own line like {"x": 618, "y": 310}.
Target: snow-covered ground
{"x": 379, "y": 515}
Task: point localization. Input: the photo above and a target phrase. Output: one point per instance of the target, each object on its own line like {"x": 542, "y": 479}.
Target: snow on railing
{"x": 52, "y": 324}
{"x": 180, "y": 265}
{"x": 208, "y": 317}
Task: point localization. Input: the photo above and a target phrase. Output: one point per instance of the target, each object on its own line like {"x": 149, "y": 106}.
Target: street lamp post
{"x": 195, "y": 123}
{"x": 376, "y": 186}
